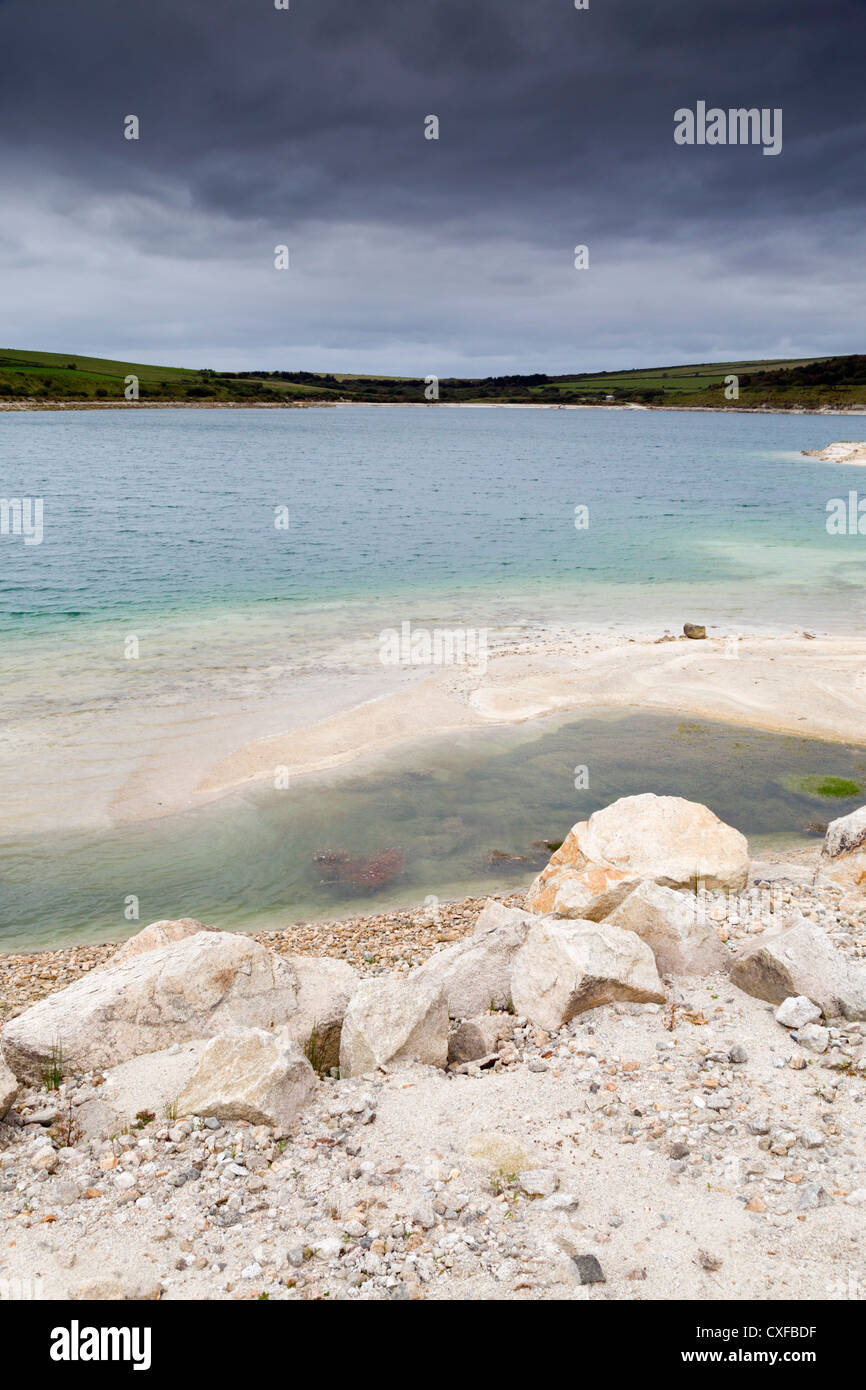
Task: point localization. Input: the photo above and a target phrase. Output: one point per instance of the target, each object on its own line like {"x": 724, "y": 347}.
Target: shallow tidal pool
{"x": 448, "y": 817}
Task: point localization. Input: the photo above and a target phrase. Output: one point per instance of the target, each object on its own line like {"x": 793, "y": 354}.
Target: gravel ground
{"x": 630, "y": 1136}
{"x": 691, "y": 1150}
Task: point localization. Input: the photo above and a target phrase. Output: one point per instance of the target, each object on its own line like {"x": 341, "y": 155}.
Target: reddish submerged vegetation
{"x": 360, "y": 875}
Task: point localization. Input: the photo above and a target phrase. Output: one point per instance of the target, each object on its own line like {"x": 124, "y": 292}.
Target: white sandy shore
{"x": 792, "y": 685}
{"x": 136, "y": 759}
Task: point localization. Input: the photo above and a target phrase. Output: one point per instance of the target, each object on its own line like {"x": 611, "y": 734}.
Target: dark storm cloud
{"x": 306, "y": 126}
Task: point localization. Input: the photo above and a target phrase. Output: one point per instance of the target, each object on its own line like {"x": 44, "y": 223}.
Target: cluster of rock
{"x": 844, "y": 451}
{"x": 186, "y": 1020}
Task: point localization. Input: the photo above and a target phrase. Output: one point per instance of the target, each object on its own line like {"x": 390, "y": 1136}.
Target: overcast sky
{"x": 306, "y": 127}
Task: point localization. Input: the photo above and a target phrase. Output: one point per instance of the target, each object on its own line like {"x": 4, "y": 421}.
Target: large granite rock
{"x": 8, "y": 1088}
{"x": 672, "y": 924}
{"x": 250, "y": 1074}
{"x": 588, "y": 894}
{"x": 323, "y": 987}
{"x": 664, "y": 838}
{"x": 800, "y": 959}
{"x": 567, "y": 967}
{"x": 475, "y": 973}
{"x": 157, "y": 934}
{"x": 843, "y": 854}
{"x": 392, "y": 1021}
{"x": 845, "y": 834}
{"x": 193, "y": 988}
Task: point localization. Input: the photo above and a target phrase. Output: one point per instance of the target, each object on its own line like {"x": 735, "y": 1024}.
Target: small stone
{"x": 589, "y": 1269}
{"x": 559, "y": 1201}
{"x": 814, "y": 1038}
{"x": 812, "y": 1195}
{"x": 538, "y": 1182}
{"x": 811, "y": 1139}
{"x": 738, "y": 1054}
{"x": 796, "y": 1011}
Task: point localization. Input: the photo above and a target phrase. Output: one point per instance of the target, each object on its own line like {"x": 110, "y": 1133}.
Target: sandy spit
{"x": 794, "y": 685}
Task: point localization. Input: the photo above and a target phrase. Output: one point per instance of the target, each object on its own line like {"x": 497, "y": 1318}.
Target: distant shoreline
{"x": 13, "y": 406}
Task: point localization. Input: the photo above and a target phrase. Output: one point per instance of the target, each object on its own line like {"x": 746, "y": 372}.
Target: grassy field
{"x": 806, "y": 383}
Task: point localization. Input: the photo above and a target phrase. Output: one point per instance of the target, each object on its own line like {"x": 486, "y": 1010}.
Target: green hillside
{"x": 805, "y": 383}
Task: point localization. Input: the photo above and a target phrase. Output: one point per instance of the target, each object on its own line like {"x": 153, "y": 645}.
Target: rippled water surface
{"x": 159, "y": 527}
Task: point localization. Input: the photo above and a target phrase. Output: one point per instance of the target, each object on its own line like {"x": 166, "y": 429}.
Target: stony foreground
{"x": 383, "y": 941}
{"x": 651, "y": 1094}
{"x": 629, "y": 1136}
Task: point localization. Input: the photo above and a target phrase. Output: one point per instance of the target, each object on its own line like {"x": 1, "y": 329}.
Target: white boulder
{"x": 475, "y": 973}
{"x": 190, "y": 989}
{"x": 845, "y": 834}
{"x": 157, "y": 934}
{"x": 843, "y": 854}
{"x": 568, "y": 967}
{"x": 796, "y": 1011}
{"x": 588, "y": 894}
{"x": 250, "y": 1074}
{"x": 323, "y": 989}
{"x": 392, "y": 1021}
{"x": 674, "y": 927}
{"x": 674, "y": 842}
{"x": 814, "y": 1038}
{"x": 800, "y": 959}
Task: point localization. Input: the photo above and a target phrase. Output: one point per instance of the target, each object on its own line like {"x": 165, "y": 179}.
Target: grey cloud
{"x": 306, "y": 126}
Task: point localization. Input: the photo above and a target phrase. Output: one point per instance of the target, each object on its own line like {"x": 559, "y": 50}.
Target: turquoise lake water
{"x": 161, "y": 524}
{"x": 173, "y": 511}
